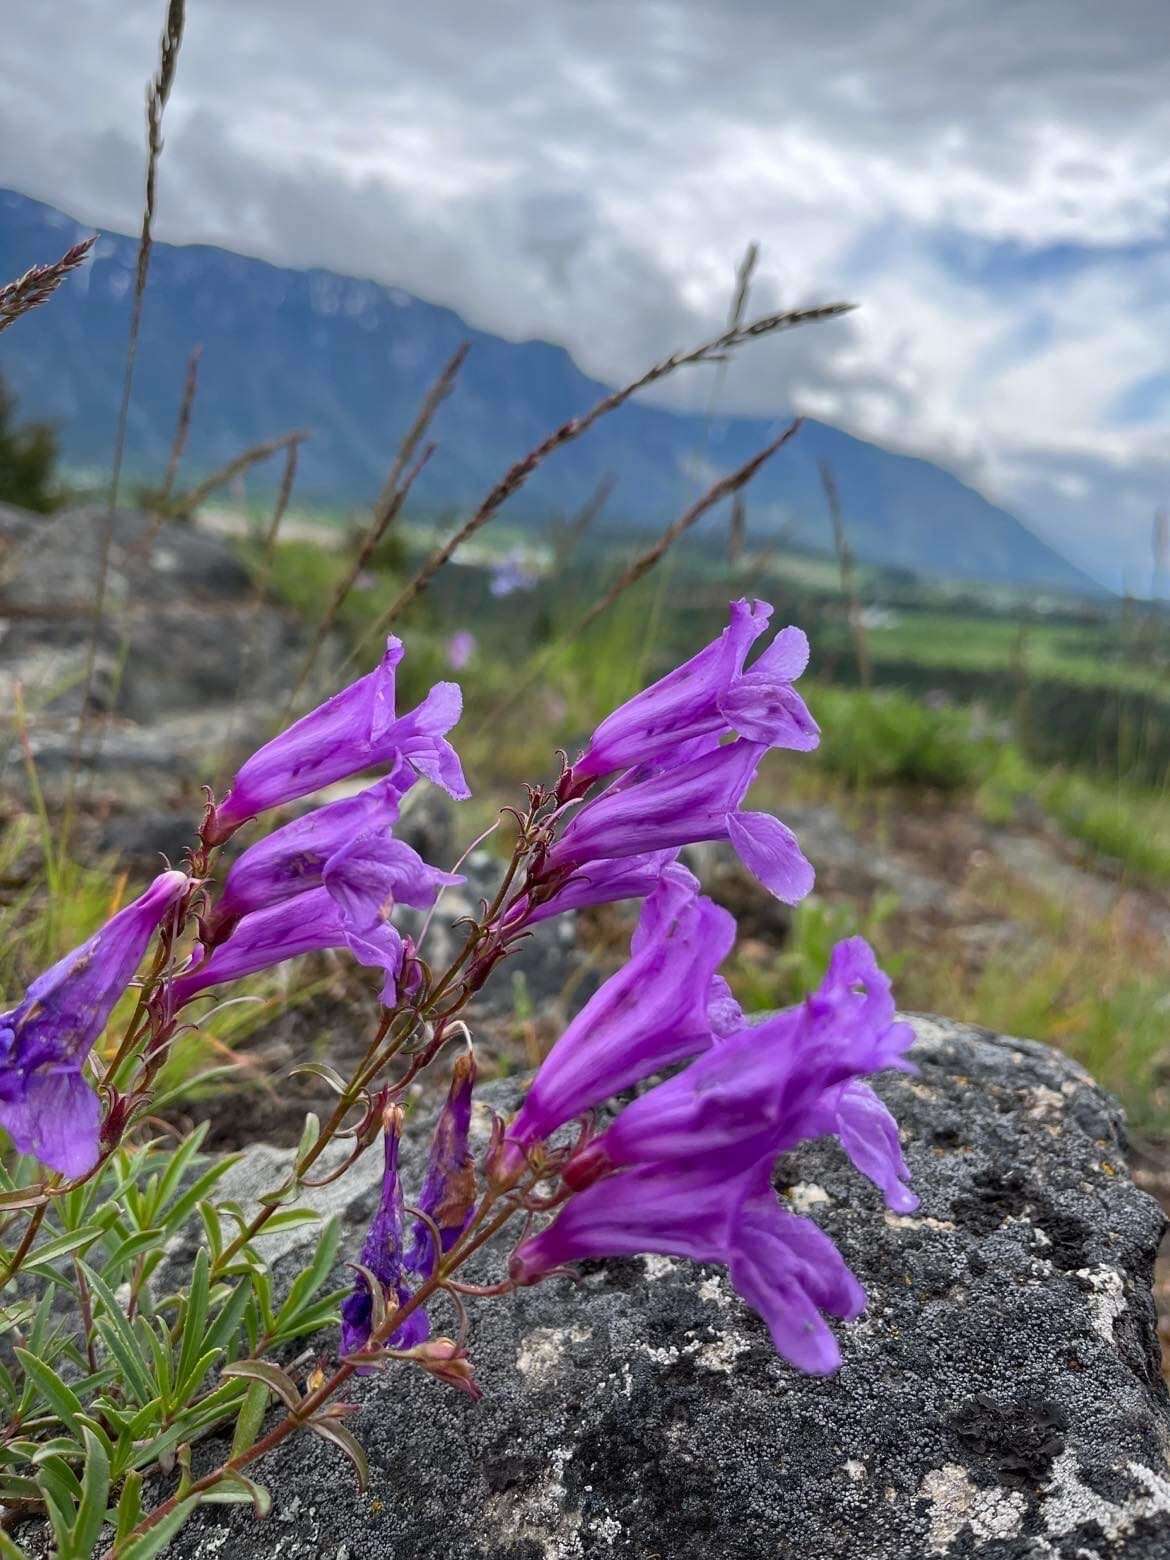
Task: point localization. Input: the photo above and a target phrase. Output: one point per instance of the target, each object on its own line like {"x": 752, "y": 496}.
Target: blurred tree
{"x": 28, "y": 460}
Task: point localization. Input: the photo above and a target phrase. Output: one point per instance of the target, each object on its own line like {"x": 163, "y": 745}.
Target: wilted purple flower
{"x": 381, "y": 1255}
{"x": 758, "y": 1092}
{"x": 306, "y": 924}
{"x": 292, "y": 859}
{"x": 46, "y": 1105}
{"x": 708, "y": 696}
{"x": 460, "y": 648}
{"x": 511, "y": 575}
{"x": 709, "y": 1210}
{"x": 354, "y": 730}
{"x": 448, "y": 1190}
{"x": 652, "y": 1013}
{"x": 696, "y": 800}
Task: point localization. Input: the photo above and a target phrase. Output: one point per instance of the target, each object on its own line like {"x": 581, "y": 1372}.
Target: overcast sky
{"x": 989, "y": 179}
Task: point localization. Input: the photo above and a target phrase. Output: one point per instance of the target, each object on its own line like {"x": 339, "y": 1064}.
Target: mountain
{"x": 350, "y": 360}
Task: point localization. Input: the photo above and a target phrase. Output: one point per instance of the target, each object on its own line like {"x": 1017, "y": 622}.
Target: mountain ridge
{"x": 350, "y": 360}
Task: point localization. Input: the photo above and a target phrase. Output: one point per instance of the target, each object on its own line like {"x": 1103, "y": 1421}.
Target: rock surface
{"x": 1001, "y": 1398}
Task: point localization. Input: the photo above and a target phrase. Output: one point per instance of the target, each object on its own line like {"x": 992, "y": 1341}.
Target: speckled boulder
{"x": 1002, "y": 1397}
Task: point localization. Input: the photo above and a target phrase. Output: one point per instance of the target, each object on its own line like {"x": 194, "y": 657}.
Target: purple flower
{"x": 709, "y": 1210}
{"x": 46, "y": 1105}
{"x": 306, "y": 924}
{"x": 649, "y": 1015}
{"x": 292, "y": 859}
{"x": 460, "y": 648}
{"x": 685, "y": 1169}
{"x": 448, "y": 1190}
{"x": 708, "y": 696}
{"x": 696, "y": 800}
{"x": 597, "y": 883}
{"x": 351, "y": 732}
{"x": 760, "y": 1091}
{"x": 381, "y": 1256}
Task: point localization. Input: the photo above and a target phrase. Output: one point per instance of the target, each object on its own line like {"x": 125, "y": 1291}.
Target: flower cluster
{"x": 686, "y": 1168}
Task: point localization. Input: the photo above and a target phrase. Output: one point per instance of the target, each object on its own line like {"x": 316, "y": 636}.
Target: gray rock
{"x": 1002, "y": 1397}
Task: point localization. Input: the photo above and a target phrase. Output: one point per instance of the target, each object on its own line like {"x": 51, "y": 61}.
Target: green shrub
{"x": 888, "y": 738}
{"x": 28, "y": 460}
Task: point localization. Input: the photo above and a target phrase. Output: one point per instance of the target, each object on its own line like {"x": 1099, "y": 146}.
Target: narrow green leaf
{"x": 95, "y": 1492}
{"x": 120, "y": 1338}
{"x": 288, "y": 1219}
{"x": 128, "y": 1249}
{"x": 55, "y": 1474}
{"x": 153, "y": 1543}
{"x": 179, "y": 1162}
{"x": 251, "y": 1417}
{"x": 61, "y": 1398}
{"x": 310, "y": 1132}
{"x": 194, "y": 1315}
{"x": 53, "y": 1250}
{"x": 186, "y": 1389}
{"x": 245, "y": 1489}
{"x": 129, "y": 1506}
{"x": 185, "y": 1205}
{"x": 212, "y": 1229}
{"x": 225, "y": 1329}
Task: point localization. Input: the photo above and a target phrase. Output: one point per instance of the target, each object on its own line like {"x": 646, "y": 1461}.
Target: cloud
{"x": 987, "y": 178}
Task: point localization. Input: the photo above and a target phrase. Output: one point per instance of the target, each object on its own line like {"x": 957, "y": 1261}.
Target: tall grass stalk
{"x": 38, "y": 284}
{"x": 389, "y": 505}
{"x": 517, "y": 475}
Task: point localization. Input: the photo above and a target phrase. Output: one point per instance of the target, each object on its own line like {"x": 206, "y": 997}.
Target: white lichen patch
{"x": 543, "y": 1349}
{"x": 1107, "y": 1301}
{"x": 806, "y": 1195}
{"x": 1044, "y": 1101}
{"x": 909, "y": 1221}
{"x": 957, "y": 1503}
{"x": 657, "y": 1266}
{"x": 722, "y": 1353}
{"x": 714, "y": 1290}
{"x": 855, "y": 1469}
{"x": 1068, "y": 1501}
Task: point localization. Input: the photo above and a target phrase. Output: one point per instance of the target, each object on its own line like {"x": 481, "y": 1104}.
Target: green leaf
{"x": 183, "y": 1207}
{"x": 54, "y": 1474}
{"x": 212, "y": 1229}
{"x": 153, "y": 1543}
{"x": 129, "y": 1507}
{"x": 61, "y": 1398}
{"x": 288, "y": 1219}
{"x": 95, "y": 1491}
{"x": 130, "y": 1248}
{"x": 271, "y": 1375}
{"x": 180, "y": 1160}
{"x": 225, "y": 1329}
{"x": 119, "y": 1337}
{"x": 52, "y": 1251}
{"x": 330, "y": 1430}
{"x": 245, "y": 1489}
{"x": 10, "y": 1550}
{"x": 194, "y": 1315}
{"x": 251, "y": 1417}
{"x": 309, "y": 1135}
{"x": 189, "y": 1386}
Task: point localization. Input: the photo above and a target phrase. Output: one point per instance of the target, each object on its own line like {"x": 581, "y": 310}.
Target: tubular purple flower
{"x": 712, "y": 1210}
{"x": 354, "y": 730}
{"x": 292, "y": 859}
{"x": 448, "y": 1190}
{"x": 869, "y": 1135}
{"x": 306, "y": 924}
{"x": 381, "y": 1255}
{"x": 46, "y": 1105}
{"x": 697, "y": 800}
{"x": 597, "y": 883}
{"x": 708, "y": 696}
{"x": 652, "y": 1013}
{"x": 374, "y": 872}
{"x": 759, "y": 1092}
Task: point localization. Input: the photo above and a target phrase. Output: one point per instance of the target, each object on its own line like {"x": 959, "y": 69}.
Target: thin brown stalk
{"x": 157, "y": 94}
{"x": 182, "y": 426}
{"x": 515, "y": 477}
{"x": 848, "y": 574}
{"x": 386, "y": 509}
{"x": 645, "y": 561}
{"x": 743, "y": 282}
{"x": 737, "y": 530}
{"x": 187, "y": 503}
{"x": 38, "y": 284}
